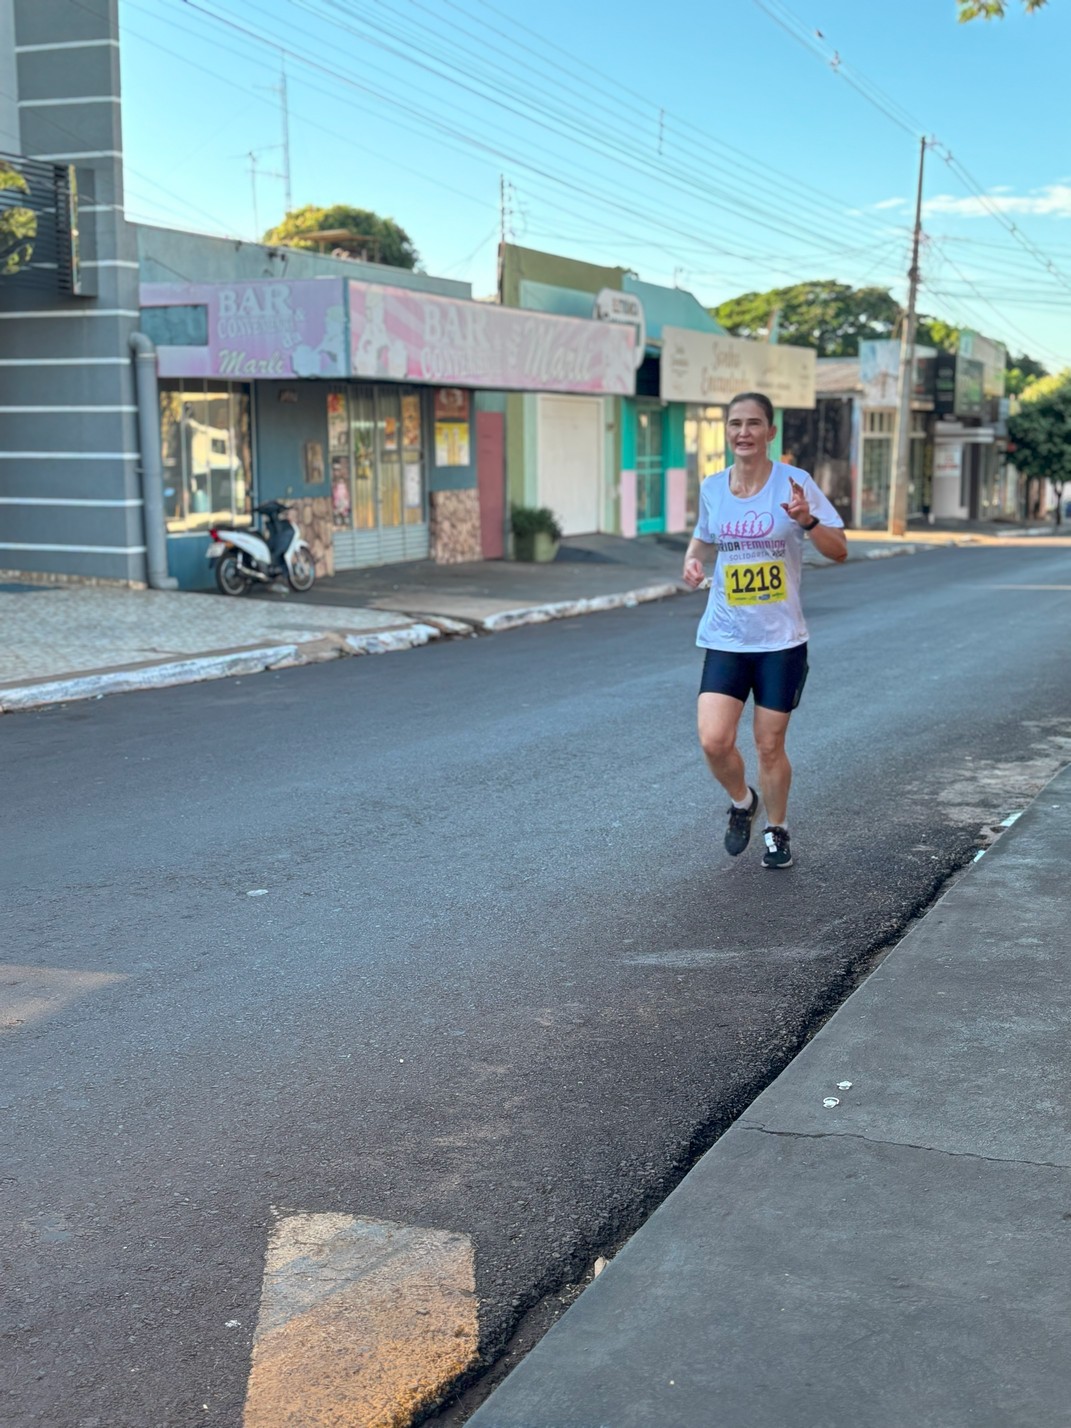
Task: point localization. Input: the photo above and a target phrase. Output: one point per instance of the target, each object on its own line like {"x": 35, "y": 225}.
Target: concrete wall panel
{"x": 45, "y": 73}
{"x": 44, "y": 22}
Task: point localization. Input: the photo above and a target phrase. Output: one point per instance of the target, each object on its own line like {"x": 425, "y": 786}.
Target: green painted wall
{"x": 627, "y": 445}
{"x": 673, "y": 435}
{"x": 775, "y": 448}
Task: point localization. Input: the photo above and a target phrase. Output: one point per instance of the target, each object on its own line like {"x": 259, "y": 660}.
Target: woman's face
{"x": 748, "y": 430}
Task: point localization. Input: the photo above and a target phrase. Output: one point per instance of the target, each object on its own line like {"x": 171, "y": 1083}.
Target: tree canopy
{"x": 1040, "y": 432}
{"x": 1021, "y": 372}
{"x": 833, "y": 318}
{"x": 368, "y": 236}
{"x": 935, "y": 332}
{"x": 992, "y": 9}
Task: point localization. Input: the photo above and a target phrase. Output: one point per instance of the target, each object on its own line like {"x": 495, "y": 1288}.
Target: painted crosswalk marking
{"x": 362, "y": 1323}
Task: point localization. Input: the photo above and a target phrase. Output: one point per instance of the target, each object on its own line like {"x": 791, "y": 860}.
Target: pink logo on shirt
{"x": 750, "y": 527}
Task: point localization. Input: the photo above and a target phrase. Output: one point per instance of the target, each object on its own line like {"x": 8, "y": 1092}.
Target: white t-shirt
{"x": 754, "y": 602}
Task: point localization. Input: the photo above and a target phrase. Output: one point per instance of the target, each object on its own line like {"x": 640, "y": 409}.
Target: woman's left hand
{"x": 797, "y": 508}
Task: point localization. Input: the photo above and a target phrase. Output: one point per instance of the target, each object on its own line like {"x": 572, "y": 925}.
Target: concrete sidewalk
{"x": 884, "y": 1238}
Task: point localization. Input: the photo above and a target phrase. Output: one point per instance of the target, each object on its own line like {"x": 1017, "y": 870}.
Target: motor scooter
{"x": 264, "y": 553}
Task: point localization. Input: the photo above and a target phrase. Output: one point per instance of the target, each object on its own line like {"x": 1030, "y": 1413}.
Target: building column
{"x": 70, "y": 495}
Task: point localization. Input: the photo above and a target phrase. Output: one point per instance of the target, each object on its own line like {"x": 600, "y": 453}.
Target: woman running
{"x": 755, "y": 516}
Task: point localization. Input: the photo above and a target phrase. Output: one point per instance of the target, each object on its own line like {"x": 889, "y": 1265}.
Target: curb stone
{"x": 157, "y": 676}
{"x": 567, "y": 609}
{"x": 207, "y": 667}
{"x": 886, "y": 552}
{"x": 389, "y": 640}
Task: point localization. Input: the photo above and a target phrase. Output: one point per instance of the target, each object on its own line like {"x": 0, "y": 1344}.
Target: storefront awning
{"x": 333, "y": 328}
{"x": 418, "y": 337}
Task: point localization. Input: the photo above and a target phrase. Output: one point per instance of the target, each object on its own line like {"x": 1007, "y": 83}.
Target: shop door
{"x": 650, "y": 500}
{"x": 387, "y": 520}
{"x": 877, "y": 469}
{"x": 491, "y": 479}
{"x": 570, "y": 461}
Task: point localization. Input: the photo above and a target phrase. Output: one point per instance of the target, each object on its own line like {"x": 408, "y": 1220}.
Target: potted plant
{"x": 536, "y": 533}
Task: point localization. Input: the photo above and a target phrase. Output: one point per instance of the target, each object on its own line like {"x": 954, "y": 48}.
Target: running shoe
{"x": 738, "y": 833}
{"x": 778, "y": 852}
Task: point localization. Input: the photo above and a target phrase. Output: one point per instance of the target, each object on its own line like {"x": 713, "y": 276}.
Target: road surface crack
{"x": 908, "y": 1145}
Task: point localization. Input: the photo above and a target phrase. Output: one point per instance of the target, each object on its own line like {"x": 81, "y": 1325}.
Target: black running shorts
{"x": 775, "y": 677}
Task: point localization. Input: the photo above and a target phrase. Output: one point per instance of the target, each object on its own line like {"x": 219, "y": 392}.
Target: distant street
{"x": 499, "y": 976}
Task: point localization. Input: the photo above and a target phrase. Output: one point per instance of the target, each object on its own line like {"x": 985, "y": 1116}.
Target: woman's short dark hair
{"x": 759, "y": 398}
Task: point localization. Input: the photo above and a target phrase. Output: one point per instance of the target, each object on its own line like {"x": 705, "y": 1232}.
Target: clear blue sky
{"x": 719, "y": 144}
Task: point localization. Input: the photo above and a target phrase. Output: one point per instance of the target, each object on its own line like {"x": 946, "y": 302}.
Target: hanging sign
{"x": 627, "y": 309}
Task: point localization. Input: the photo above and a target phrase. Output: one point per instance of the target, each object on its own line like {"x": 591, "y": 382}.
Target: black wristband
{"x": 814, "y": 521}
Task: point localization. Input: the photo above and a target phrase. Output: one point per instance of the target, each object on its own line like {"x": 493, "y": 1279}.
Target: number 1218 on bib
{"x": 757, "y": 584}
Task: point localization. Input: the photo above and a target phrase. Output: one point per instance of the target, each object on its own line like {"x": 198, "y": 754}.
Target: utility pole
{"x": 285, "y": 103}
{"x": 902, "y": 442}
{"x": 505, "y": 197}
{"x": 253, "y": 179}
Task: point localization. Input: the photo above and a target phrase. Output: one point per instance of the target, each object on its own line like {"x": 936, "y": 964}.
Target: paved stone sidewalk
{"x": 52, "y": 631}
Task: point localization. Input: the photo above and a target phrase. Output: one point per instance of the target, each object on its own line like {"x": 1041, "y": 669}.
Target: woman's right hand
{"x": 694, "y": 574}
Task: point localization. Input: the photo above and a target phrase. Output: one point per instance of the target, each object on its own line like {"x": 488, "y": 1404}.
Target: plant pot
{"x": 538, "y": 546}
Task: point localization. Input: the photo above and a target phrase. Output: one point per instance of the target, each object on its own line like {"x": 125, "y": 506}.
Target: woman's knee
{"x": 717, "y": 742}
{"x": 770, "y": 746}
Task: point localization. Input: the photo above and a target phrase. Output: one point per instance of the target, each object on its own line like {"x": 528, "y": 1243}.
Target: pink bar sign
{"x": 405, "y": 336}
{"x": 256, "y": 329}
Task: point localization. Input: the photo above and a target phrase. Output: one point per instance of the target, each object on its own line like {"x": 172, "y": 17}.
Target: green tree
{"x": 1020, "y": 372}
{"x": 1040, "y": 433}
{"x": 379, "y": 240}
{"x": 992, "y": 9}
{"x": 833, "y": 318}
{"x": 933, "y": 332}
{"x": 18, "y": 225}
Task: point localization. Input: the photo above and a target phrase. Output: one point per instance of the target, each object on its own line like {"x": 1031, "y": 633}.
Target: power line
{"x": 894, "y": 111}
{"x": 568, "y": 62}
{"x": 1004, "y": 319}
{"x": 736, "y": 159}
{"x": 336, "y": 134}
{"x": 423, "y": 119}
{"x": 440, "y": 126}
{"x": 576, "y": 131}
{"x": 968, "y": 180}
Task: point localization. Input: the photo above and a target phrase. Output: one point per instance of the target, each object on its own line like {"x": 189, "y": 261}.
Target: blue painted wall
{"x": 188, "y": 563}
{"x": 282, "y": 429}
{"x": 456, "y": 478}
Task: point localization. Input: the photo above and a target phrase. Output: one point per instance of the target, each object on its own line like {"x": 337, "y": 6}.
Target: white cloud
{"x": 1053, "y": 201}
{"x": 891, "y": 203}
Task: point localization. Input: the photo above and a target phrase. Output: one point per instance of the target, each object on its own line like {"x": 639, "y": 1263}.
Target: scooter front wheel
{"x": 229, "y": 575}
{"x": 302, "y": 572}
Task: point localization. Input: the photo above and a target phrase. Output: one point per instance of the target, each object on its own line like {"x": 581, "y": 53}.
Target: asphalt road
{"x": 503, "y": 979}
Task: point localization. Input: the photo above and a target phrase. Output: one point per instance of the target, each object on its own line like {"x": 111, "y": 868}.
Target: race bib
{"x": 762, "y": 583}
